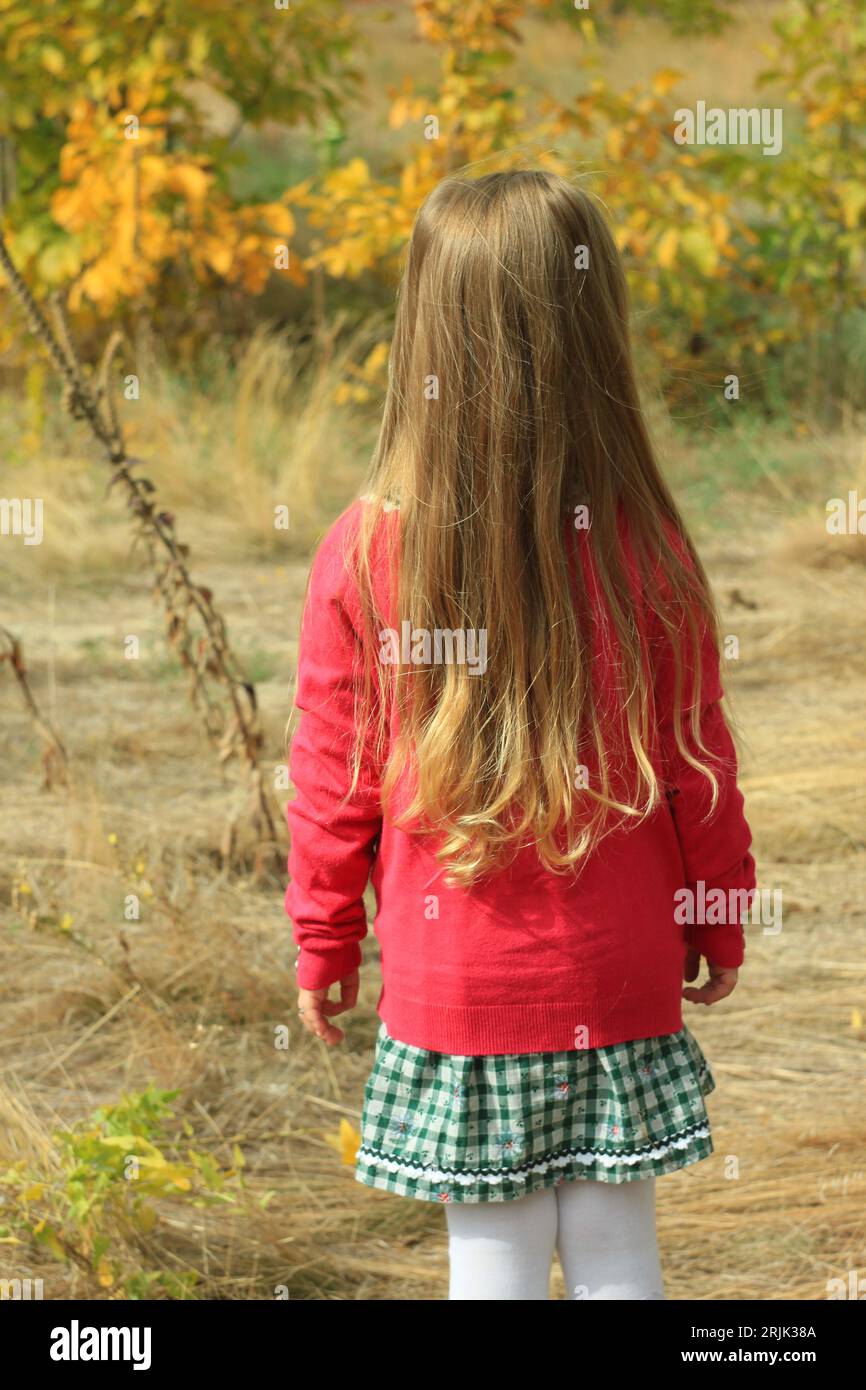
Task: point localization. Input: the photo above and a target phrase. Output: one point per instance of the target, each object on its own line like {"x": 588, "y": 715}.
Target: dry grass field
{"x": 188, "y": 997}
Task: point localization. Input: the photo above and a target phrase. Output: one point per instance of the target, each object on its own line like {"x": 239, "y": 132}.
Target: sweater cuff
{"x": 319, "y": 970}
{"x": 724, "y": 945}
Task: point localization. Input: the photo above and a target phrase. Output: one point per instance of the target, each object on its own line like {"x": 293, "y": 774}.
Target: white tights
{"x": 604, "y": 1234}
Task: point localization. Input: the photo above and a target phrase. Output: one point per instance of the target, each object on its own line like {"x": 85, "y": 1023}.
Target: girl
{"x": 509, "y": 678}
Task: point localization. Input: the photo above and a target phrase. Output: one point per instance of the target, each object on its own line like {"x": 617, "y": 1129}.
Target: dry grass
{"x": 189, "y": 996}
{"x": 251, "y": 432}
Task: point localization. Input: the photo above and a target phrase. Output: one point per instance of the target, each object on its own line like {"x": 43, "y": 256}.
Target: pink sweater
{"x": 525, "y": 961}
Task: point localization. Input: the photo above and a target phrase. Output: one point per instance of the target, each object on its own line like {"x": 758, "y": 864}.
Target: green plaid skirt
{"x": 488, "y": 1129}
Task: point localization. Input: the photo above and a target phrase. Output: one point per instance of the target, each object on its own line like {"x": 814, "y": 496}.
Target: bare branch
{"x": 219, "y": 691}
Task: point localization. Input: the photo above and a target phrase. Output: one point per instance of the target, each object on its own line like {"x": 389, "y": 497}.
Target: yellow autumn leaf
{"x": 720, "y": 230}
{"x": 52, "y": 60}
{"x": 336, "y": 261}
{"x": 104, "y": 1276}
{"x": 103, "y": 282}
{"x": 346, "y": 1142}
{"x": 198, "y": 49}
{"x": 613, "y": 142}
{"x": 127, "y": 1142}
{"x": 33, "y": 1194}
{"x": 151, "y": 1159}
{"x": 299, "y": 191}
{"x": 697, "y": 245}
{"x": 217, "y": 254}
{"x": 852, "y": 196}
{"x": 821, "y": 117}
{"x": 254, "y": 273}
{"x": 666, "y": 247}
{"x": 64, "y": 201}
{"x": 158, "y": 1169}
{"x": 400, "y": 112}
{"x": 664, "y": 79}
{"x": 190, "y": 181}
{"x": 377, "y": 359}
{"x": 349, "y": 179}
{"x": 276, "y": 217}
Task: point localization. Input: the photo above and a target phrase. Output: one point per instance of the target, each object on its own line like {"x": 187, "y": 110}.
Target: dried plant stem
{"x": 55, "y": 762}
{"x": 195, "y": 628}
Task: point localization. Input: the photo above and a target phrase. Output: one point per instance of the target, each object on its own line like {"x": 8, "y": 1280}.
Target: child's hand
{"x": 722, "y": 981}
{"x": 315, "y": 1008}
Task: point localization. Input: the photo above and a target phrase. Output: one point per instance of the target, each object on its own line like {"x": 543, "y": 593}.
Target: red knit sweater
{"x": 527, "y": 960}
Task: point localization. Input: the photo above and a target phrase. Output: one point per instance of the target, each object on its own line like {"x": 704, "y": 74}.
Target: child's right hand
{"x": 722, "y": 981}
{"x": 314, "y": 1008}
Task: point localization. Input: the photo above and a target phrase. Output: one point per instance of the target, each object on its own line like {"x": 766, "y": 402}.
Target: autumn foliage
{"x": 121, "y": 184}
{"x": 125, "y": 194}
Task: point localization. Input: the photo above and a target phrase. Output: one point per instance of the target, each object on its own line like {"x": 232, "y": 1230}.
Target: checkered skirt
{"x": 488, "y": 1129}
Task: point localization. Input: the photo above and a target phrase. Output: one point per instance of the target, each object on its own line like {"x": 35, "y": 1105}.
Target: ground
{"x": 189, "y": 996}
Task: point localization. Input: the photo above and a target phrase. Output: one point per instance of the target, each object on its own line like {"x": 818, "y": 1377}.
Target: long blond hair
{"x": 511, "y": 401}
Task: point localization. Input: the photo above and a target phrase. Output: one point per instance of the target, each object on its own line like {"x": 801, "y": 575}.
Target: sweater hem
{"x": 496, "y": 1029}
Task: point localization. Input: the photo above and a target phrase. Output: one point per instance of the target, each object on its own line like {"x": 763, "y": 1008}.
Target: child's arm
{"x": 333, "y": 836}
{"x": 715, "y": 850}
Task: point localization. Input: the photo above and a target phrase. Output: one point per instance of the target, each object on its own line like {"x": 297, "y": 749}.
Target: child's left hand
{"x": 722, "y": 981}
{"x": 315, "y": 1008}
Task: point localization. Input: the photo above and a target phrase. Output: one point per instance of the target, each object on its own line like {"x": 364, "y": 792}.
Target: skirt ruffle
{"x": 444, "y": 1128}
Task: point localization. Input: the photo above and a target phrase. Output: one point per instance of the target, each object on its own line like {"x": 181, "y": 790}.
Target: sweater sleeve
{"x": 714, "y": 843}
{"x": 333, "y": 834}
